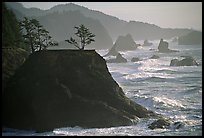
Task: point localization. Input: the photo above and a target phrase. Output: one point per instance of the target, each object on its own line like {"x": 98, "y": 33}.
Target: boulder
{"x": 154, "y": 57}
{"x": 147, "y": 43}
{"x": 187, "y": 61}
{"x": 135, "y": 59}
{"x": 66, "y": 88}
{"x": 160, "y": 123}
{"x": 163, "y": 47}
{"x": 119, "y": 59}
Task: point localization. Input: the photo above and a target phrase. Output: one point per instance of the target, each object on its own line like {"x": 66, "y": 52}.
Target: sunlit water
{"x": 175, "y": 92}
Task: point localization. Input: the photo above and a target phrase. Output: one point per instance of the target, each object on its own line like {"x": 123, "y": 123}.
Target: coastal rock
{"x": 124, "y": 43}
{"x": 160, "y": 123}
{"x": 112, "y": 51}
{"x": 178, "y": 125}
{"x": 163, "y": 47}
{"x": 135, "y": 59}
{"x": 154, "y": 57}
{"x": 192, "y": 38}
{"x": 66, "y": 88}
{"x": 119, "y": 59}
{"x": 147, "y": 43}
{"x": 187, "y": 61}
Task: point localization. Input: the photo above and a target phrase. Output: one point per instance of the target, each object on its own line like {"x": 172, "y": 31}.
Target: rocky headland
{"x": 66, "y": 88}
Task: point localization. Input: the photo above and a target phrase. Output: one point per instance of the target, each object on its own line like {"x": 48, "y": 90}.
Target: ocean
{"x": 175, "y": 92}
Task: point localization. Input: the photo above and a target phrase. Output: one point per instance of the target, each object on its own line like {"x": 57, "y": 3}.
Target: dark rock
{"x": 193, "y": 38}
{"x": 12, "y": 59}
{"x": 66, "y": 88}
{"x": 178, "y": 125}
{"x": 160, "y": 123}
{"x": 147, "y": 43}
{"x": 135, "y": 59}
{"x": 154, "y": 57}
{"x": 118, "y": 59}
{"x": 163, "y": 47}
{"x": 187, "y": 61}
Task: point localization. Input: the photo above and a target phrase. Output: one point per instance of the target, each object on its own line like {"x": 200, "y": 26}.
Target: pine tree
{"x": 85, "y": 36}
{"x": 35, "y": 35}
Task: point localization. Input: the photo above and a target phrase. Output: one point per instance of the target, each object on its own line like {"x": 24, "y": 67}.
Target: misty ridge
{"x": 59, "y": 21}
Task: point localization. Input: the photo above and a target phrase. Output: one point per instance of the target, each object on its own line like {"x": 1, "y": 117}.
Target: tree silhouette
{"x": 85, "y": 37}
{"x": 35, "y": 35}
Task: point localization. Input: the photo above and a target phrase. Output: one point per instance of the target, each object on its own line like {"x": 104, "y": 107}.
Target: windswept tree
{"x": 35, "y": 35}
{"x": 85, "y": 37}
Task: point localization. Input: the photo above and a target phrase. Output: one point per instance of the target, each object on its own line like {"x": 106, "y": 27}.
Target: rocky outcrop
{"x": 112, "y": 52}
{"x": 193, "y": 38}
{"x": 119, "y": 59}
{"x": 135, "y": 59}
{"x": 12, "y": 59}
{"x": 124, "y": 43}
{"x": 164, "y": 47}
{"x": 187, "y": 61}
{"x": 66, "y": 88}
{"x": 147, "y": 43}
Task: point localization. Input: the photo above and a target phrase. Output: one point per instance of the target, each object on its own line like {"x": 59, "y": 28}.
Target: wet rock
{"x": 163, "y": 47}
{"x": 119, "y": 59}
{"x": 154, "y": 57}
{"x": 187, "y": 61}
{"x": 160, "y": 123}
{"x": 177, "y": 125}
{"x": 135, "y": 59}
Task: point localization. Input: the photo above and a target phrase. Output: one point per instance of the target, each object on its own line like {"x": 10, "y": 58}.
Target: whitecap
{"x": 168, "y": 102}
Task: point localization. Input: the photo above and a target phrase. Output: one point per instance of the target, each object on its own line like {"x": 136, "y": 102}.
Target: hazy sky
{"x": 163, "y": 14}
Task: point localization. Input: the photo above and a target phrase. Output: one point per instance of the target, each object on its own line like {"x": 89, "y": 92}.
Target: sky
{"x": 163, "y": 14}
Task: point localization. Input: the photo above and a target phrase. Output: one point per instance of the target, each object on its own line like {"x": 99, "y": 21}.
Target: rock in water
{"x": 160, "y": 123}
{"x": 154, "y": 57}
{"x": 112, "y": 51}
{"x": 124, "y": 43}
{"x": 119, "y": 59}
{"x": 164, "y": 47}
{"x": 135, "y": 59}
{"x": 66, "y": 88}
{"x": 187, "y": 61}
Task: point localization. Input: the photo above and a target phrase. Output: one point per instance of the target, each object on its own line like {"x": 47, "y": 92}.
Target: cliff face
{"x": 12, "y": 59}
{"x": 62, "y": 88}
